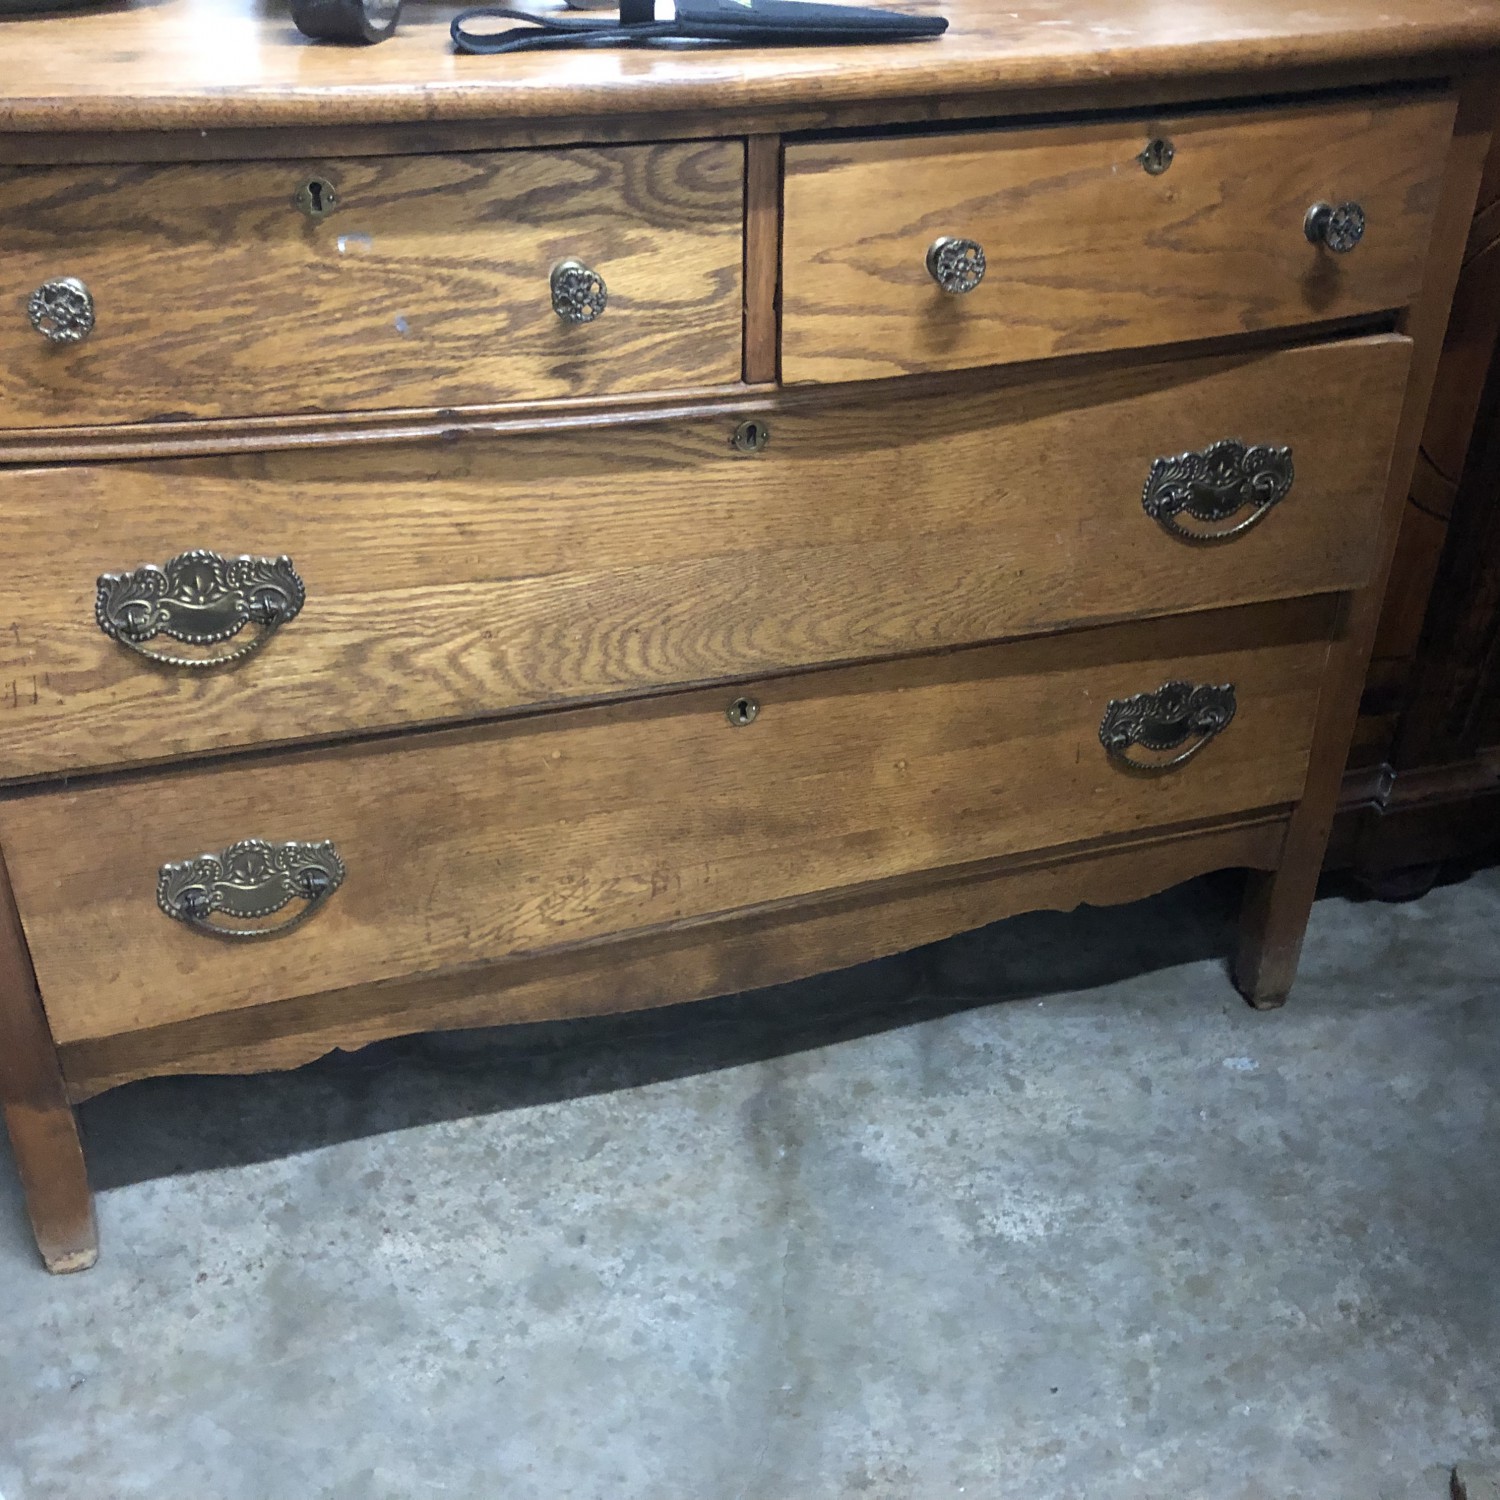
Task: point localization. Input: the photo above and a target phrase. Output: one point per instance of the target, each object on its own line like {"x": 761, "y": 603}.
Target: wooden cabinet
{"x": 493, "y": 539}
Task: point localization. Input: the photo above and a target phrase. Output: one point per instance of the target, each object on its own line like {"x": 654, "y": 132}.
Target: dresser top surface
{"x": 174, "y": 64}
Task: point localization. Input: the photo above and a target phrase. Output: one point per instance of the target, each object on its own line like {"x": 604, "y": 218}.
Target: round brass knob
{"x": 578, "y": 293}
{"x": 62, "y": 310}
{"x": 956, "y": 265}
{"x": 1339, "y": 228}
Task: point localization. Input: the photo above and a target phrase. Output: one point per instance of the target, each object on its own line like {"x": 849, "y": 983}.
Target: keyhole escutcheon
{"x": 1157, "y": 156}
{"x": 751, "y": 436}
{"x": 317, "y": 197}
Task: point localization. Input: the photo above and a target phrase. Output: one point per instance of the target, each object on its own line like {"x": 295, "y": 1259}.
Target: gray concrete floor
{"x": 1041, "y": 1212}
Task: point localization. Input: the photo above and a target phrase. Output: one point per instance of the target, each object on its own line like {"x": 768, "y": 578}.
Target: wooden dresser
{"x": 494, "y": 539}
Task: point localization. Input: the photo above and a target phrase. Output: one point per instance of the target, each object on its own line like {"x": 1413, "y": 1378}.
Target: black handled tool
{"x": 745, "y": 23}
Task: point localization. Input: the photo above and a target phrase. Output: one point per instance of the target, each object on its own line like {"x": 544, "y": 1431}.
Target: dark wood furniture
{"x": 505, "y": 538}
{"x": 1423, "y": 785}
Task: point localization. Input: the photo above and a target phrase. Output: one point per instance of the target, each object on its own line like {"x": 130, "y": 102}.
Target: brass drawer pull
{"x": 579, "y": 294}
{"x": 62, "y": 310}
{"x": 1214, "y": 486}
{"x": 201, "y": 599}
{"x": 957, "y": 265}
{"x": 1338, "y": 228}
{"x": 253, "y": 878}
{"x": 1164, "y": 720}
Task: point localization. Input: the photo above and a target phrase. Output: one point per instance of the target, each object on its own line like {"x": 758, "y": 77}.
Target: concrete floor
{"x": 1041, "y": 1212}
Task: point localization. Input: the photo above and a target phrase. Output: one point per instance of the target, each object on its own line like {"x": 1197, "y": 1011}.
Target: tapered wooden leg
{"x": 1277, "y": 906}
{"x": 43, "y": 1129}
{"x": 1273, "y": 920}
{"x": 49, "y": 1154}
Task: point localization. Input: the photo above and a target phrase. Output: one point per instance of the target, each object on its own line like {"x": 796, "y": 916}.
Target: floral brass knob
{"x": 62, "y": 310}
{"x": 579, "y": 294}
{"x": 956, "y": 265}
{"x": 1338, "y": 228}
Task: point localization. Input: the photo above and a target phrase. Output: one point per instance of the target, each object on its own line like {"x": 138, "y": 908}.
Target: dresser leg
{"x": 1272, "y": 923}
{"x": 49, "y": 1154}
{"x": 43, "y": 1129}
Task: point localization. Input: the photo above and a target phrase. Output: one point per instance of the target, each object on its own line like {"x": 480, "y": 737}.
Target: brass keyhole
{"x": 751, "y": 436}
{"x": 742, "y": 711}
{"x": 317, "y": 197}
{"x": 1157, "y": 156}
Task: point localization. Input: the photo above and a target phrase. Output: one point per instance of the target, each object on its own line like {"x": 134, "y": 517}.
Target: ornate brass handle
{"x": 1215, "y": 485}
{"x": 1164, "y": 720}
{"x": 253, "y": 878}
{"x": 201, "y": 599}
{"x": 956, "y": 265}
{"x": 579, "y": 294}
{"x": 62, "y": 310}
{"x": 1336, "y": 227}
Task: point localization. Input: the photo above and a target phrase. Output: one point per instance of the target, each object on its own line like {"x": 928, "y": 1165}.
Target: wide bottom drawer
{"x": 469, "y": 845}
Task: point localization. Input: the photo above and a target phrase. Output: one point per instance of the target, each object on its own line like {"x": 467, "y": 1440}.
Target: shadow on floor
{"x": 160, "y": 1127}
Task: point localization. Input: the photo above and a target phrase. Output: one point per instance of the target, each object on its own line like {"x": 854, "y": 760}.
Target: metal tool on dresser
{"x": 744, "y": 23}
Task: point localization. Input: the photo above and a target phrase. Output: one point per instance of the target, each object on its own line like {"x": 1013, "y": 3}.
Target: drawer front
{"x": 428, "y": 284}
{"x": 454, "y": 580}
{"x": 470, "y": 845}
{"x": 1085, "y": 249}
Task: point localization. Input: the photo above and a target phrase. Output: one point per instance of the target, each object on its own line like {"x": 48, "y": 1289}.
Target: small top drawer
{"x": 1067, "y": 239}
{"x": 234, "y": 289}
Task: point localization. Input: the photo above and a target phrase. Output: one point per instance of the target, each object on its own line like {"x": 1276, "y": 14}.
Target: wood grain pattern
{"x": 88, "y": 443}
{"x": 588, "y": 564}
{"x": 716, "y": 957}
{"x": 762, "y": 256}
{"x": 427, "y": 286}
{"x": 144, "y": 65}
{"x": 312, "y": 141}
{"x": 1277, "y": 905}
{"x": 473, "y": 845}
{"x": 1086, "y": 250}
{"x": 43, "y": 1131}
